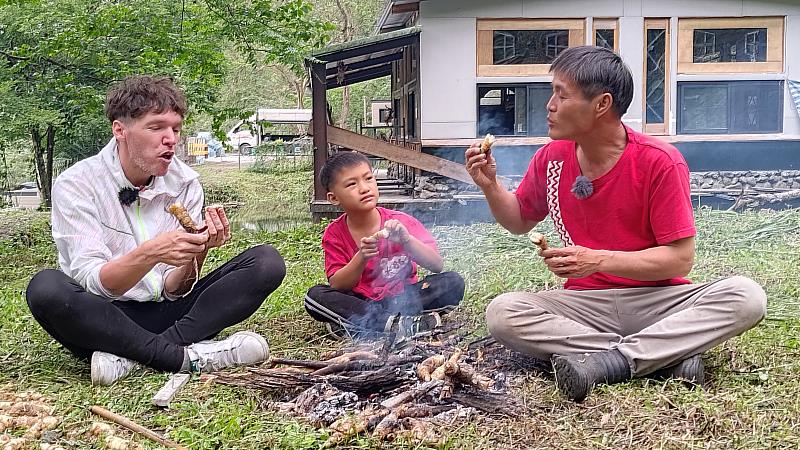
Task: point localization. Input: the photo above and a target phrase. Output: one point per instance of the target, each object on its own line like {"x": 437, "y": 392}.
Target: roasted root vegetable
{"x": 383, "y": 233}
{"x": 538, "y": 240}
{"x": 488, "y": 142}
{"x": 180, "y": 212}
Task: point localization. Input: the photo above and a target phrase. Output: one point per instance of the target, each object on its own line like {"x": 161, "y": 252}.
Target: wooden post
{"x": 319, "y": 125}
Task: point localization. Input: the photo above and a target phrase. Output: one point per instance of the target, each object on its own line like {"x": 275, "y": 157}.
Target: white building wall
{"x": 791, "y": 115}
{"x": 631, "y": 45}
{"x": 448, "y": 80}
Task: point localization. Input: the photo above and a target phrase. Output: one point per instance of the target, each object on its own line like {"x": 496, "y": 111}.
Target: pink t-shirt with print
{"x": 388, "y": 273}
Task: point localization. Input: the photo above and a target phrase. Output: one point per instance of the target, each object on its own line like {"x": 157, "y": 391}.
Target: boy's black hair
{"x": 338, "y": 162}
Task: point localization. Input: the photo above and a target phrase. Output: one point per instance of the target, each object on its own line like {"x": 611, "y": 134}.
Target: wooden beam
{"x": 360, "y": 75}
{"x": 370, "y": 48}
{"x": 405, "y": 8}
{"x": 418, "y": 160}
{"x": 319, "y": 123}
{"x": 333, "y": 71}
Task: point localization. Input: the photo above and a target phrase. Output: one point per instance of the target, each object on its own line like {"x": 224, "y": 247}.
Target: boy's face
{"x": 355, "y": 188}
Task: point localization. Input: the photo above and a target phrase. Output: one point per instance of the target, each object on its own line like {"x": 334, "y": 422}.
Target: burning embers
{"x": 388, "y": 392}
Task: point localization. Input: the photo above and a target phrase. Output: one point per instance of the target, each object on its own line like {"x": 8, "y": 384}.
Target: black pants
{"x": 154, "y": 333}
{"x": 440, "y": 292}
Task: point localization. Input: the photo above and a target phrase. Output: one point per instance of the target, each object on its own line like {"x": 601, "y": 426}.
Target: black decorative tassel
{"x": 582, "y": 188}
{"x": 128, "y": 195}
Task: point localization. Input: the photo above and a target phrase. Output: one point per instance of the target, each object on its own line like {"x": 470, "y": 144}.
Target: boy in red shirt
{"x": 371, "y": 258}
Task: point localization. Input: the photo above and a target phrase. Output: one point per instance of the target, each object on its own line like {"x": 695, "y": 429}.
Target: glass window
{"x": 656, "y": 75}
{"x": 519, "y": 110}
{"x": 730, "y": 107}
{"x": 730, "y": 45}
{"x": 604, "y": 38}
{"x": 528, "y": 46}
{"x": 524, "y": 47}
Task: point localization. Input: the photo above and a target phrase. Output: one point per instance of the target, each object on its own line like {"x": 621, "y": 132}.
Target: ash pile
{"x": 392, "y": 389}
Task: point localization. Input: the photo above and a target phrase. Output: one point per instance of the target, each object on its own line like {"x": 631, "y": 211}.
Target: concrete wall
{"x": 448, "y": 51}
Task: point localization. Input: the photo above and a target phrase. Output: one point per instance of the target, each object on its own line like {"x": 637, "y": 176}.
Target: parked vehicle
{"x": 254, "y": 131}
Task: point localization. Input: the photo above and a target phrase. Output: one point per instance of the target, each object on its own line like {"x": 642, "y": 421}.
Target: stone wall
{"x": 781, "y": 180}
{"x": 427, "y": 187}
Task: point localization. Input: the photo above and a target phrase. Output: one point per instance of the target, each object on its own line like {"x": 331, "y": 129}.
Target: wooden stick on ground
{"x": 175, "y": 383}
{"x": 135, "y": 427}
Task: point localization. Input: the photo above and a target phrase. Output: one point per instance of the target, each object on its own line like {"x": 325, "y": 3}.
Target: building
{"x": 713, "y": 77}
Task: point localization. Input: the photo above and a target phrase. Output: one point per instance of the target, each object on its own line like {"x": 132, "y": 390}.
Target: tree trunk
{"x": 43, "y": 160}
{"x": 347, "y": 34}
{"x": 345, "y": 107}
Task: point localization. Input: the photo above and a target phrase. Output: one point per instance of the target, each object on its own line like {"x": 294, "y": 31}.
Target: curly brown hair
{"x": 138, "y": 95}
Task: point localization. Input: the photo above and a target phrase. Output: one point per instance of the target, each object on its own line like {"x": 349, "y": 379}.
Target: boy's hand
{"x": 397, "y": 231}
{"x": 368, "y": 248}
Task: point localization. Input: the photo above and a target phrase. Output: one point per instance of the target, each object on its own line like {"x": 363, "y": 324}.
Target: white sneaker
{"x": 244, "y": 347}
{"x": 108, "y": 368}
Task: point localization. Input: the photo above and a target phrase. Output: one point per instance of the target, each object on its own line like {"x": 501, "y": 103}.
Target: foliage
{"x": 255, "y": 83}
{"x": 58, "y": 57}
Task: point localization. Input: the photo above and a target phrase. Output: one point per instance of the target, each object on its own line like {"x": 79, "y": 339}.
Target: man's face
{"x": 355, "y": 188}
{"x": 148, "y": 143}
{"x": 569, "y": 114}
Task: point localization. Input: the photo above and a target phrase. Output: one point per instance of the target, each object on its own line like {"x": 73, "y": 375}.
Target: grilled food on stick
{"x": 179, "y": 211}
{"x": 538, "y": 240}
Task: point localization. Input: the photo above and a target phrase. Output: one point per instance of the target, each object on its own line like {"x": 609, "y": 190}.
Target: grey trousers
{"x": 653, "y": 327}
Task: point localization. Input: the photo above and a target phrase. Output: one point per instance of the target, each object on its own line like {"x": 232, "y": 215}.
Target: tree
{"x": 59, "y": 57}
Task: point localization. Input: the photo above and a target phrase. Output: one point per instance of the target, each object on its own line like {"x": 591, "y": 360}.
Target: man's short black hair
{"x": 336, "y": 164}
{"x": 138, "y": 95}
{"x": 595, "y": 71}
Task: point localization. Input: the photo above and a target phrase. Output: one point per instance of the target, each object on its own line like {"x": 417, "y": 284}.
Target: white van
{"x": 250, "y": 133}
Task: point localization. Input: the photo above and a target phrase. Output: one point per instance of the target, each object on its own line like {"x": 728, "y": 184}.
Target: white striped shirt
{"x": 91, "y": 227}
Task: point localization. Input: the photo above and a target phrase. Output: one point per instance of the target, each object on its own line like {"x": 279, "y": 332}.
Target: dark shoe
{"x": 577, "y": 374}
{"x": 408, "y": 326}
{"x": 691, "y": 370}
{"x": 336, "y": 330}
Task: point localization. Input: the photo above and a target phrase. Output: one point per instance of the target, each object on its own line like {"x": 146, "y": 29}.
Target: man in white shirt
{"x": 129, "y": 291}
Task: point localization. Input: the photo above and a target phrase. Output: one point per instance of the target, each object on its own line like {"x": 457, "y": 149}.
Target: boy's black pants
{"x": 440, "y": 292}
{"x": 154, "y": 333}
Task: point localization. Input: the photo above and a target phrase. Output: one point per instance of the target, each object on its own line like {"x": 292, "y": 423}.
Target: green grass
{"x": 752, "y": 398}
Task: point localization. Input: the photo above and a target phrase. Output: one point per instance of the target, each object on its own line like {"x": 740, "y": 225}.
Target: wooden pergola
{"x": 345, "y": 64}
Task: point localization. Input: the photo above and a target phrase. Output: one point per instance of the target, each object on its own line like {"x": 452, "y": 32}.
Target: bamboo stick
{"x": 135, "y": 427}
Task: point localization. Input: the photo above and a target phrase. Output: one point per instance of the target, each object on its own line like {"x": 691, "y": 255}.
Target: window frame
{"x": 485, "y": 44}
{"x": 681, "y": 85}
{"x": 606, "y": 24}
{"x": 527, "y": 85}
{"x": 661, "y": 128}
{"x": 775, "y": 45}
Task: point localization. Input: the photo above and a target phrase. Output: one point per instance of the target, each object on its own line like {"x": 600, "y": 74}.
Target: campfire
{"x": 392, "y": 389}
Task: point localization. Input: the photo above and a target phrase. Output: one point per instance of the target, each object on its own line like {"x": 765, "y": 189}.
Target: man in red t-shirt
{"x": 620, "y": 203}
{"x": 371, "y": 258}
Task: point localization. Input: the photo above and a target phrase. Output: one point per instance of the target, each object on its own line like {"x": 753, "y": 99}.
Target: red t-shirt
{"x": 642, "y": 202}
{"x": 388, "y": 273}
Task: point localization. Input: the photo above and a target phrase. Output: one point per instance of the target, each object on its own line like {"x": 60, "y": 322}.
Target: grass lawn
{"x": 752, "y": 397}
